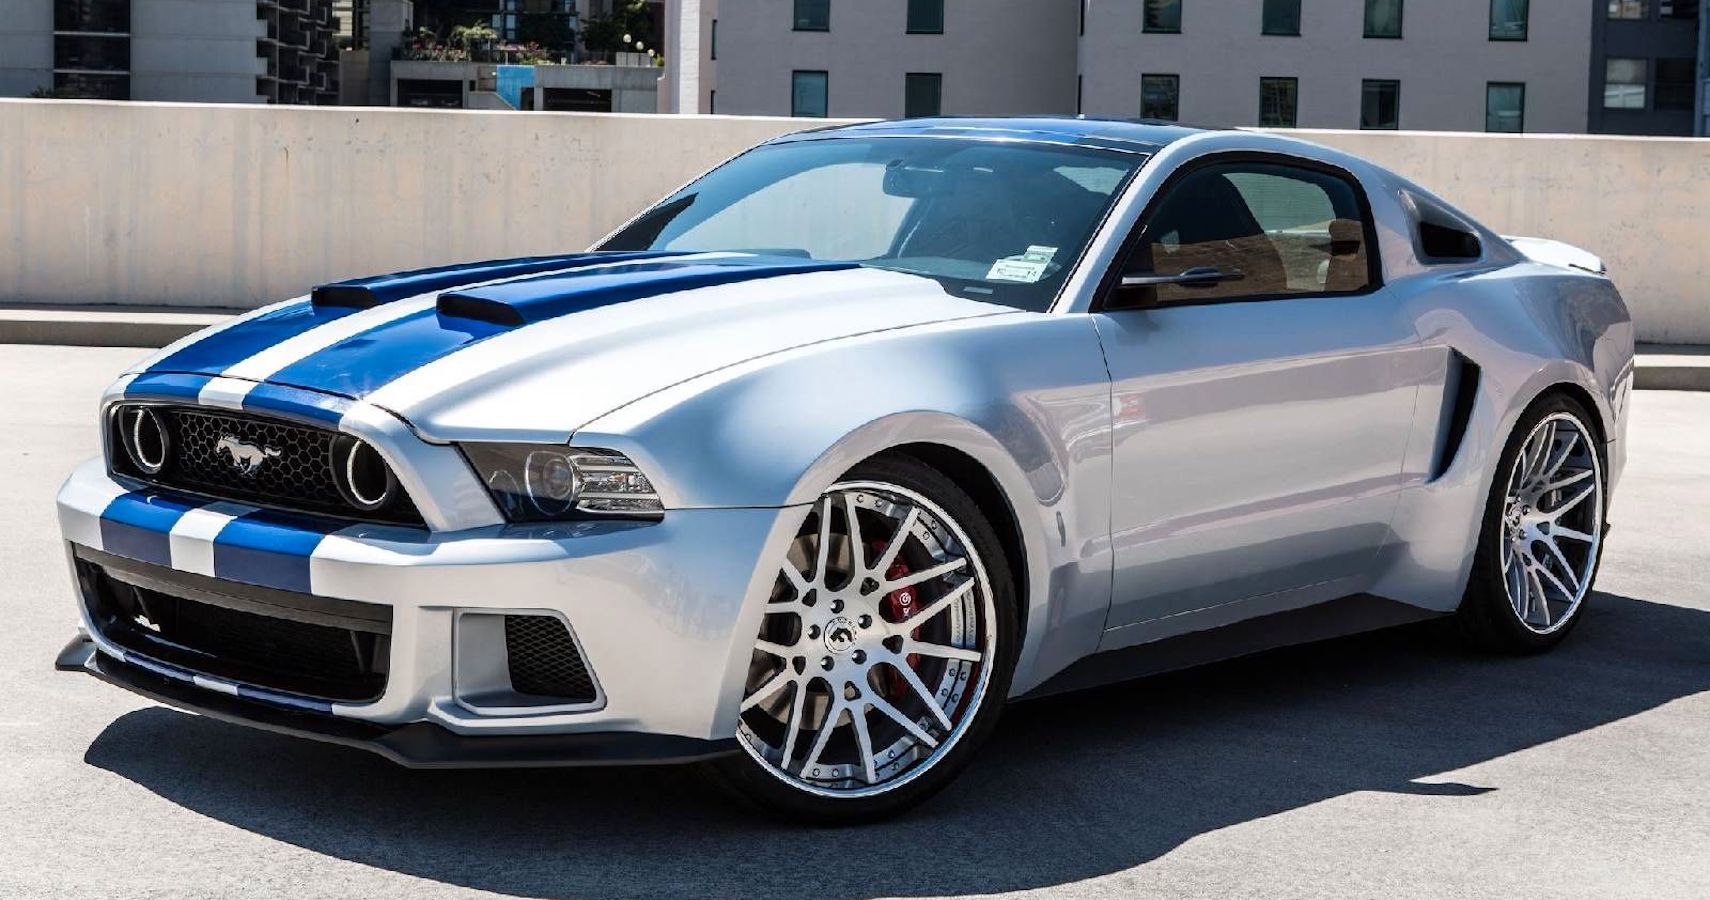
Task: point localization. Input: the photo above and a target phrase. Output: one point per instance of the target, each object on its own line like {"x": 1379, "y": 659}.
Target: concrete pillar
{"x": 388, "y": 20}
{"x": 682, "y": 87}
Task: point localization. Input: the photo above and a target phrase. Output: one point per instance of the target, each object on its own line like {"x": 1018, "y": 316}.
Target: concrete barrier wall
{"x": 235, "y": 206}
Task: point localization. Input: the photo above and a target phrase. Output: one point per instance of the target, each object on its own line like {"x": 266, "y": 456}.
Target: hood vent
{"x": 365, "y": 293}
{"x": 516, "y": 303}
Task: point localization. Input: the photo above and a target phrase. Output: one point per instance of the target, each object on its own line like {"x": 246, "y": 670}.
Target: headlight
{"x": 546, "y": 482}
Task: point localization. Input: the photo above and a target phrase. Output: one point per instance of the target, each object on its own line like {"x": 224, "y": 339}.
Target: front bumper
{"x": 664, "y": 614}
{"x": 420, "y": 745}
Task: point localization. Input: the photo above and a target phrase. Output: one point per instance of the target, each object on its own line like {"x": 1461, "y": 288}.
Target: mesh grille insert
{"x": 543, "y": 659}
{"x": 298, "y": 477}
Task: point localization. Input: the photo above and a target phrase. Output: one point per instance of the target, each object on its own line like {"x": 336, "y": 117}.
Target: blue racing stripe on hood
{"x": 368, "y": 361}
{"x": 226, "y": 348}
{"x": 167, "y": 386}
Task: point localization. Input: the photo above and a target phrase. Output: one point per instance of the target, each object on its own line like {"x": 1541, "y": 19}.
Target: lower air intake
{"x": 544, "y": 661}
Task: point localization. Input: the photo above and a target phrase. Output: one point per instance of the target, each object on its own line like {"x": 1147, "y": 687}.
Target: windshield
{"x": 995, "y": 221}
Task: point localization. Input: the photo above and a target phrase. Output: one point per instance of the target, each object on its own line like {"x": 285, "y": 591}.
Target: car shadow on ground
{"x": 1069, "y": 788}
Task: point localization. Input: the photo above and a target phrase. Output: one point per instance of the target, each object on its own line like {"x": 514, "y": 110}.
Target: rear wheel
{"x": 1542, "y": 537}
{"x": 885, "y": 653}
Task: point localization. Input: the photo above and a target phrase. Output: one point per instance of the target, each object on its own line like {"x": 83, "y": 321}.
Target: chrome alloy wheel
{"x": 1552, "y": 523}
{"x": 876, "y": 648}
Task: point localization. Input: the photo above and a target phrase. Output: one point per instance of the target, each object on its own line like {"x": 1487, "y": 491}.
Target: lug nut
{"x": 866, "y": 621}
{"x": 825, "y": 663}
{"x": 860, "y": 656}
{"x": 837, "y": 606}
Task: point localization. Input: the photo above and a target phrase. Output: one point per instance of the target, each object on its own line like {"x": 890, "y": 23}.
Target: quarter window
{"x": 1505, "y": 107}
{"x": 1278, "y": 99}
{"x": 1273, "y": 230}
{"x": 1624, "y": 84}
{"x": 1281, "y": 17}
{"x": 813, "y": 15}
{"x": 1383, "y": 18}
{"x": 1160, "y": 97}
{"x": 925, "y": 16}
{"x": 808, "y": 94}
{"x": 1163, "y": 17}
{"x": 1508, "y": 19}
{"x": 1380, "y": 104}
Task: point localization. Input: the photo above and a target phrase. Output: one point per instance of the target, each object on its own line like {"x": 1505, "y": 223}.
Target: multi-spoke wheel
{"x": 1543, "y": 531}
{"x": 885, "y": 651}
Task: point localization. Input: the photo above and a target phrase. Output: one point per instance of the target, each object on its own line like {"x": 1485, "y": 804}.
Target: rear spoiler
{"x": 1556, "y": 253}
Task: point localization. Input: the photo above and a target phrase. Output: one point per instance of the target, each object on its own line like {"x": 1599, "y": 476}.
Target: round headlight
{"x": 551, "y": 481}
{"x": 362, "y": 476}
{"x": 145, "y": 439}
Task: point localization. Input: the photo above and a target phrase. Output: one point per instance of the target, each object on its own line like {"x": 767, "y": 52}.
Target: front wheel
{"x": 1542, "y": 537}
{"x": 885, "y": 653}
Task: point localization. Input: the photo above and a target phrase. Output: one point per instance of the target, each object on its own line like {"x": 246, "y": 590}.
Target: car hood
{"x": 536, "y": 348}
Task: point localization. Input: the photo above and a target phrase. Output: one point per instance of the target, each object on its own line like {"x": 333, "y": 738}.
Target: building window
{"x": 925, "y": 16}
{"x": 1505, "y": 107}
{"x": 922, "y": 94}
{"x": 1383, "y": 18}
{"x": 712, "y": 103}
{"x": 86, "y": 53}
{"x": 1083, "y": 18}
{"x": 1508, "y": 19}
{"x": 1163, "y": 17}
{"x": 1160, "y": 97}
{"x": 88, "y": 86}
{"x": 105, "y": 16}
{"x": 1624, "y": 84}
{"x": 1675, "y": 83}
{"x": 712, "y": 42}
{"x": 1080, "y": 83}
{"x": 807, "y": 94}
{"x": 1628, "y": 9}
{"x": 1678, "y": 9}
{"x": 1380, "y": 104}
{"x": 813, "y": 15}
{"x": 1281, "y": 17}
{"x": 1278, "y": 101}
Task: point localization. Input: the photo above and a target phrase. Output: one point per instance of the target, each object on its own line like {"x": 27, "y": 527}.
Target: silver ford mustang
{"x": 810, "y": 468}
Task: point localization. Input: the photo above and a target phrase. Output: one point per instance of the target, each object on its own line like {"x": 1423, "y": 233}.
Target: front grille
{"x": 300, "y": 476}
{"x": 166, "y": 616}
{"x": 544, "y": 661}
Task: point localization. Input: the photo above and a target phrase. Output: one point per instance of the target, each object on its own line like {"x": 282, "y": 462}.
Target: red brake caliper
{"x": 898, "y": 606}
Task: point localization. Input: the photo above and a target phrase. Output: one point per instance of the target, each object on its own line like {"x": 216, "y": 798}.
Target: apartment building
{"x": 1453, "y": 65}
{"x": 220, "y": 51}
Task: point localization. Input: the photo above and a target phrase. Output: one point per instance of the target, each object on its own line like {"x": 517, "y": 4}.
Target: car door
{"x": 1261, "y": 401}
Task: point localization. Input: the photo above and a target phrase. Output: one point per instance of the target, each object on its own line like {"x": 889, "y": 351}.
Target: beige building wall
{"x": 998, "y": 57}
{"x": 1443, "y": 61}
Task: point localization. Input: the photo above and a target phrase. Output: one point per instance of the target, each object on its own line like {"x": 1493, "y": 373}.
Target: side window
{"x": 1269, "y": 230}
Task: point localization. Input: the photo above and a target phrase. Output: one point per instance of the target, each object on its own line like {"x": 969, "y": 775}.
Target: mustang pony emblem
{"x": 246, "y": 457}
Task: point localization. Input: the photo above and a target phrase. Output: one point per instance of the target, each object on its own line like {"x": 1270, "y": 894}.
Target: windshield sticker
{"x": 1026, "y": 268}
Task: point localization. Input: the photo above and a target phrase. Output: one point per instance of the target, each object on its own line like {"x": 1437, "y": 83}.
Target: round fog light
{"x": 362, "y": 476}
{"x": 146, "y": 442}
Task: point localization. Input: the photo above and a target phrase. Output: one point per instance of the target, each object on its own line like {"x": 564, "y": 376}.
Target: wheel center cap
{"x": 840, "y": 635}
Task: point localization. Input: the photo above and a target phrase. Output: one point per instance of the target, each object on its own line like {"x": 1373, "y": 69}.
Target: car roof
{"x": 1131, "y": 135}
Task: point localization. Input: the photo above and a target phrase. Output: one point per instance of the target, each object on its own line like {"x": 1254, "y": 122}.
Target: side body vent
{"x": 1460, "y": 392}
{"x": 544, "y": 661}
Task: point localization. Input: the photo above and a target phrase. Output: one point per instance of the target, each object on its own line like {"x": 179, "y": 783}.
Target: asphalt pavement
{"x": 1387, "y": 765}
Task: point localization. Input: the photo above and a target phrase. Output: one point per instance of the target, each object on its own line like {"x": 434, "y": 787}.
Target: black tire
{"x": 745, "y": 776}
{"x": 1486, "y": 619}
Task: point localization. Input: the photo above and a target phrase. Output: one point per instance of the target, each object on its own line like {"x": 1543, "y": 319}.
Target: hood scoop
{"x": 516, "y": 303}
{"x": 365, "y": 293}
